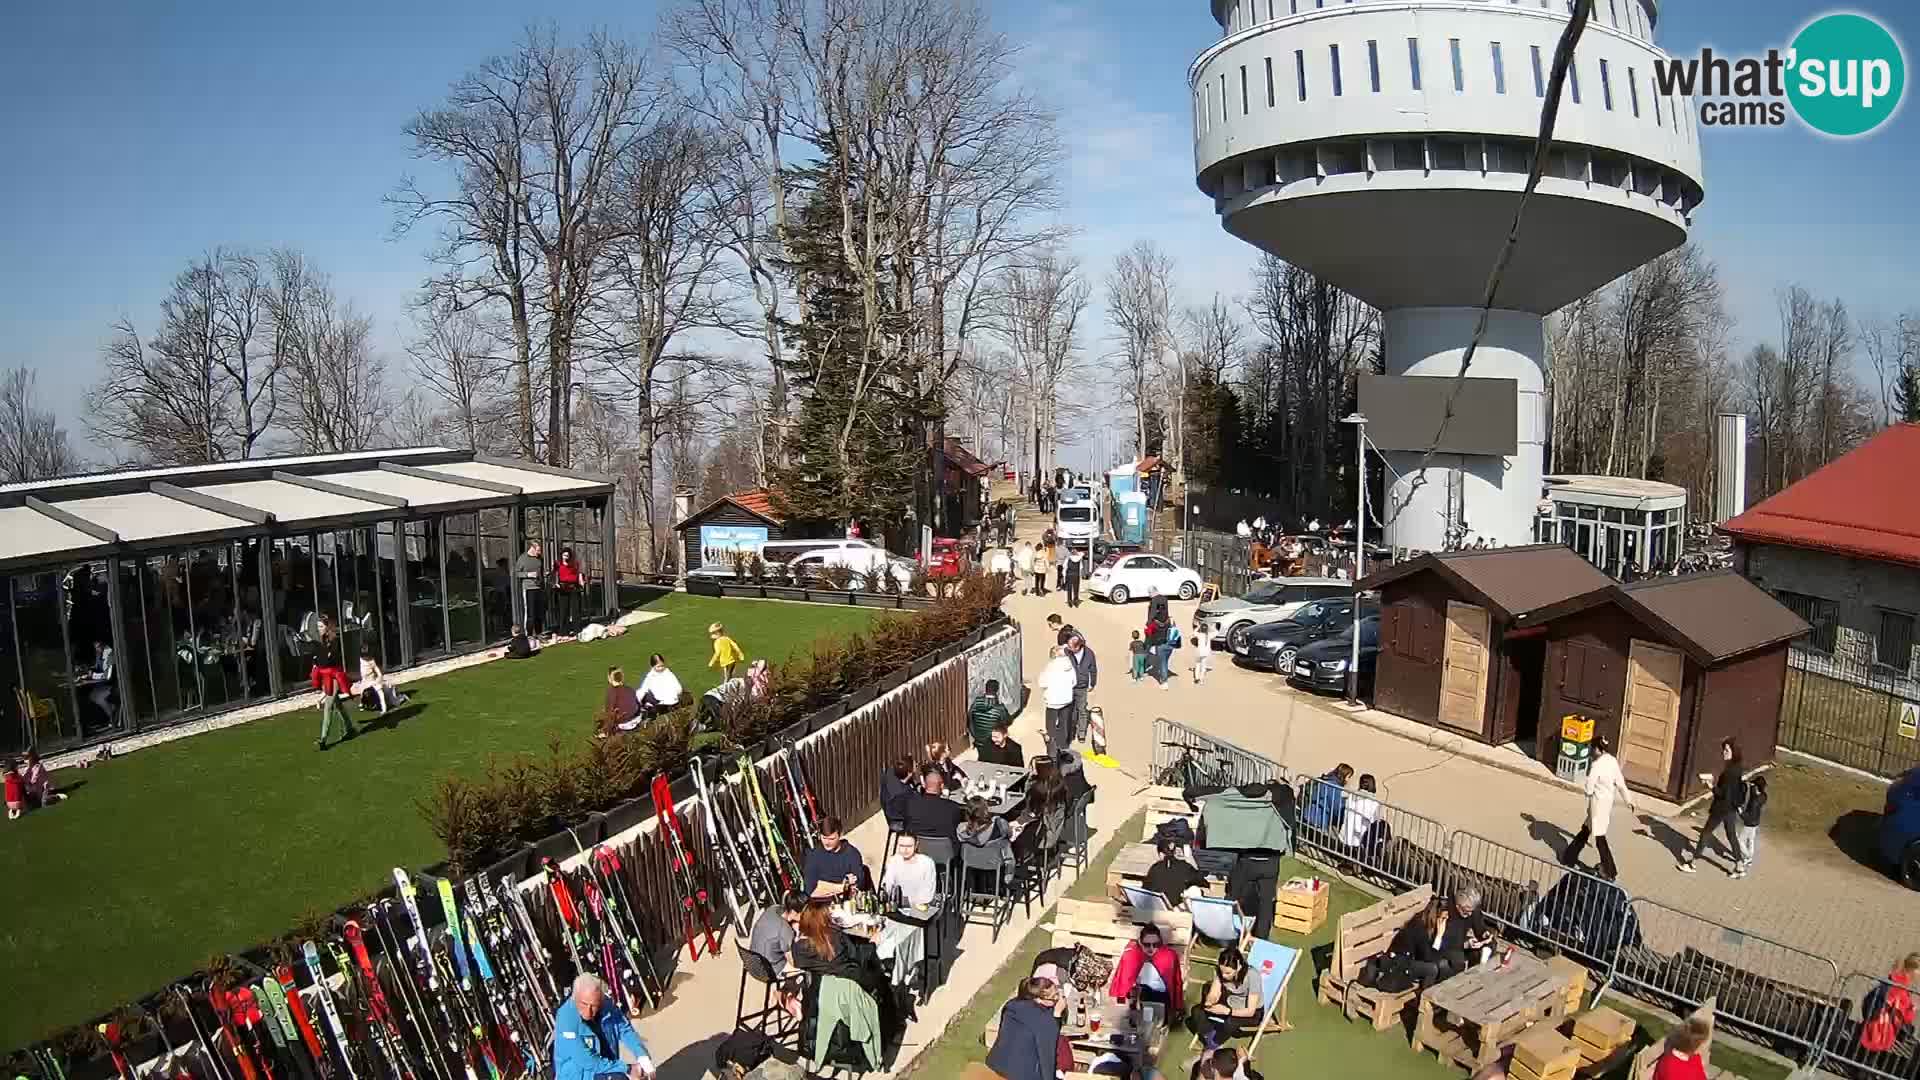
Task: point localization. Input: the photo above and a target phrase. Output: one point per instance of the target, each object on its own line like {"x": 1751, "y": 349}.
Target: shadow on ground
{"x": 1856, "y": 834}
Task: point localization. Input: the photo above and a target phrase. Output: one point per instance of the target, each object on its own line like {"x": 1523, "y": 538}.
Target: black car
{"x": 1103, "y": 547}
{"x": 1322, "y": 665}
{"x": 1271, "y": 646}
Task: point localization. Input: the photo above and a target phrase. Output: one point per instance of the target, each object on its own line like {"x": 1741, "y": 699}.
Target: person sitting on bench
{"x": 1466, "y": 936}
{"x": 1172, "y": 876}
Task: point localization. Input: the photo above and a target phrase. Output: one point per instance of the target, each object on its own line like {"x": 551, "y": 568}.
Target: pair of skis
{"x": 690, "y": 892}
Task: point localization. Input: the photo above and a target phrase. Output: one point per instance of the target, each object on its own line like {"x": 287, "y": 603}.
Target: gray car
{"x": 1227, "y": 620}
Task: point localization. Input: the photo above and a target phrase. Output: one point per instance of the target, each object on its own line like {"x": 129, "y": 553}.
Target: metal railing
{"x": 1847, "y": 709}
{"x": 1395, "y": 846}
{"x": 1776, "y": 993}
{"x": 1180, "y": 751}
{"x": 1860, "y": 996}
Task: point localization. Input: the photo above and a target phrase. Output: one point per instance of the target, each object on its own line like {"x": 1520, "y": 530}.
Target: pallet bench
{"x": 1361, "y": 936}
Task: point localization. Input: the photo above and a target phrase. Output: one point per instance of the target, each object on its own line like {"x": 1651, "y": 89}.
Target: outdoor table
{"x": 902, "y": 942}
{"x": 1116, "y": 1034}
{"x": 1013, "y": 776}
{"x": 934, "y": 944}
{"x": 1131, "y": 865}
{"x": 1489, "y": 1006}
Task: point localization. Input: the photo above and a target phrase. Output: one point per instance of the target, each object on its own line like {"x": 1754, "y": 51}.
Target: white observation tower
{"x": 1382, "y": 144}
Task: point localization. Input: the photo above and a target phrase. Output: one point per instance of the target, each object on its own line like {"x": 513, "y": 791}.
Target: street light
{"x": 1359, "y": 423}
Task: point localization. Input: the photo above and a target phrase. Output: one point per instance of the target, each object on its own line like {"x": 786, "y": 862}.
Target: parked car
{"x": 1128, "y": 577}
{"x": 948, "y": 560}
{"x": 1103, "y": 547}
{"x": 1272, "y": 646}
{"x": 1900, "y": 828}
{"x": 1076, "y": 520}
{"x": 865, "y": 565}
{"x": 1268, "y": 601}
{"x": 1322, "y": 665}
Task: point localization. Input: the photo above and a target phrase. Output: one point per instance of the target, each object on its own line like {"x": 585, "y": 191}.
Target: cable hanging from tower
{"x": 1542, "y": 151}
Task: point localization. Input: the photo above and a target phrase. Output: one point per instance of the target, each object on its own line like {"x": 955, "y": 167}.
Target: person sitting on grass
{"x": 39, "y": 781}
{"x": 621, "y": 710}
{"x": 660, "y": 690}
{"x": 1231, "y": 1004}
{"x": 1000, "y": 749}
{"x": 726, "y": 651}
{"x": 374, "y": 678}
{"x": 1682, "y": 1060}
{"x": 519, "y": 645}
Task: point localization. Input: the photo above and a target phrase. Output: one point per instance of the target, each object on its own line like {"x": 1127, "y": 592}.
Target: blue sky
{"x": 139, "y": 138}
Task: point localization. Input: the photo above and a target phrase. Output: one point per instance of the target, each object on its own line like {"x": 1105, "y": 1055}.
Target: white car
{"x": 1127, "y": 577}
{"x": 1227, "y": 620}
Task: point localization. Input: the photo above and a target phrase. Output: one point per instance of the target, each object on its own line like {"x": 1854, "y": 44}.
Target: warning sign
{"x": 1909, "y": 719}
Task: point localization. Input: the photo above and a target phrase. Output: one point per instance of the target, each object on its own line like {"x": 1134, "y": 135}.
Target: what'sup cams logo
{"x": 1844, "y": 75}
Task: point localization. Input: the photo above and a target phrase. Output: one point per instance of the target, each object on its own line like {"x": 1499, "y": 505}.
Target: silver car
{"x": 1227, "y": 620}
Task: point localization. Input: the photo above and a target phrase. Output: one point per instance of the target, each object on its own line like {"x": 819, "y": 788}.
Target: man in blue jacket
{"x": 591, "y": 1042}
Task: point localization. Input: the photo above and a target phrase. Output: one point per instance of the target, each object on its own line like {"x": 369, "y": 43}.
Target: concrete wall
{"x": 1860, "y": 588}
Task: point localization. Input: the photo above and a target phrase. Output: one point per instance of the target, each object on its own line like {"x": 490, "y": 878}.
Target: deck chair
{"x": 1146, "y": 904}
{"x": 1219, "y": 921}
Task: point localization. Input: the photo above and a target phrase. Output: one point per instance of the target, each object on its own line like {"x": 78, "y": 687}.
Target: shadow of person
{"x": 693, "y": 1061}
{"x": 1676, "y": 842}
{"x": 1857, "y": 834}
{"x": 1548, "y": 833}
{"x": 391, "y": 718}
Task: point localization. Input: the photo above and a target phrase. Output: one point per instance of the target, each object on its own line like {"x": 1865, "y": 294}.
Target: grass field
{"x": 211, "y": 844}
{"x": 1322, "y": 1042}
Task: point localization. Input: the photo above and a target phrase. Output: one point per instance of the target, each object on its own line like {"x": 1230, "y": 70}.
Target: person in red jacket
{"x": 16, "y": 786}
{"x": 1150, "y": 967}
{"x": 568, "y": 581}
{"x": 1682, "y": 1061}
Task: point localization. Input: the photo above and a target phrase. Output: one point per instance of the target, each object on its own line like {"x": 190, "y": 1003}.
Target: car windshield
{"x": 1369, "y": 631}
{"x": 1076, "y": 513}
{"x": 1279, "y": 592}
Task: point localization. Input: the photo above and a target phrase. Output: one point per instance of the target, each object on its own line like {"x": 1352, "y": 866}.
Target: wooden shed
{"x": 1453, "y": 648}
{"x": 1668, "y": 667}
{"x": 742, "y": 521}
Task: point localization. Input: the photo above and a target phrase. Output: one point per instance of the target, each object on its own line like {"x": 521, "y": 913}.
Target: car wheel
{"x": 1117, "y": 594}
{"x": 1910, "y": 865}
{"x": 1188, "y": 590}
{"x": 1237, "y": 636}
{"x": 1283, "y": 660}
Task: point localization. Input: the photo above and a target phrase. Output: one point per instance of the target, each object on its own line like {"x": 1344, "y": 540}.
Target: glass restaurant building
{"x": 139, "y": 599}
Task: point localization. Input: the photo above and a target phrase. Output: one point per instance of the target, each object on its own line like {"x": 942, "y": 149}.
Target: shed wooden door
{"x": 1463, "y": 673}
{"x": 1650, "y": 716}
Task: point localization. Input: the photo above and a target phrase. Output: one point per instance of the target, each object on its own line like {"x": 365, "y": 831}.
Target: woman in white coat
{"x": 1604, "y": 782}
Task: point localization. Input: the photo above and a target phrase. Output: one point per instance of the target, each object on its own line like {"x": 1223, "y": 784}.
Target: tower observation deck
{"x": 1382, "y": 145}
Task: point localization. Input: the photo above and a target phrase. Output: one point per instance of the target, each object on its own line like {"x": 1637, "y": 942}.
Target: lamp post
{"x": 1359, "y": 423}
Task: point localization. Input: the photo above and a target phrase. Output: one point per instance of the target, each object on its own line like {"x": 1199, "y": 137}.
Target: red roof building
{"x": 1850, "y": 507}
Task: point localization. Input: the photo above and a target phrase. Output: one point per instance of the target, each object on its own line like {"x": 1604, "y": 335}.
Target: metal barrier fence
{"x": 1180, "y": 752}
{"x": 1860, "y": 996}
{"x": 1778, "y": 994}
{"x": 1389, "y": 844}
{"x": 1847, "y": 709}
{"x": 1538, "y": 899}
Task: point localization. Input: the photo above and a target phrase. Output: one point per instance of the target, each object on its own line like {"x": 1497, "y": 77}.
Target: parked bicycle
{"x": 1188, "y": 771}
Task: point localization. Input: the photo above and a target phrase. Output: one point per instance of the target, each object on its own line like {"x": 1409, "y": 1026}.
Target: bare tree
{"x": 1140, "y": 307}
{"x": 1893, "y": 347}
{"x": 33, "y": 445}
{"x": 1043, "y": 297}
{"x": 458, "y": 362}
{"x": 532, "y": 139}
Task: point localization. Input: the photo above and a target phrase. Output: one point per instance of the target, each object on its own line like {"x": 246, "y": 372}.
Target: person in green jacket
{"x": 985, "y": 712}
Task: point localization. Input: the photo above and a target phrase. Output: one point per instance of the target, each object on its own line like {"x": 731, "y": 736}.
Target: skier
{"x": 595, "y": 1043}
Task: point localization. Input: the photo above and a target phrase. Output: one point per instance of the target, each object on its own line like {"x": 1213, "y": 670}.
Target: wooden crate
{"x": 1164, "y": 803}
{"x": 1300, "y": 907}
{"x": 1544, "y": 1054}
{"x": 1577, "y": 989}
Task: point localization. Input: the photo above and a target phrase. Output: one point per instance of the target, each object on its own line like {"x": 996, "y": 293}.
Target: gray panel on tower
{"x": 1405, "y": 412}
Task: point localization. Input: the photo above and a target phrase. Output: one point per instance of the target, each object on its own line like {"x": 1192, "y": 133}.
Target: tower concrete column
{"x": 1489, "y": 496}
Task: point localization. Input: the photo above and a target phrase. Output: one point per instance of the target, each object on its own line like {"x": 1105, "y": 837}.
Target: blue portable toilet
{"x": 1122, "y": 480}
{"x": 1130, "y": 517}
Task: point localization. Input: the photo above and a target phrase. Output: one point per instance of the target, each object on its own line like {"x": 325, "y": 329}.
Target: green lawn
{"x": 170, "y": 856}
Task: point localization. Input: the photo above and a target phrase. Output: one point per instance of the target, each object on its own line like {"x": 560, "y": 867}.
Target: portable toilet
{"x": 1130, "y": 517}
{"x": 1122, "y": 480}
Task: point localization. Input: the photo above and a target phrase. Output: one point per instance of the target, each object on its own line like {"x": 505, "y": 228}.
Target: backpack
{"x": 1388, "y": 973}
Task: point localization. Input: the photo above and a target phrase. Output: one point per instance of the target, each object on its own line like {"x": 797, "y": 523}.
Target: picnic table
{"x": 1013, "y": 776}
{"x": 1489, "y": 1006}
{"x": 1130, "y": 867}
{"x": 1118, "y": 1033}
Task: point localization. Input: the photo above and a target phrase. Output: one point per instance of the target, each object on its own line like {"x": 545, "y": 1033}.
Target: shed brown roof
{"x": 1845, "y": 506}
{"x": 1515, "y": 580}
{"x": 756, "y": 501}
{"x": 1722, "y": 614}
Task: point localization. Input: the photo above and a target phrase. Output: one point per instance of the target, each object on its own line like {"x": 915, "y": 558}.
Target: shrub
{"x": 838, "y": 577}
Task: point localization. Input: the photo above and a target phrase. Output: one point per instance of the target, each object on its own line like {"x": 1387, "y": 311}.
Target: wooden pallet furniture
{"x": 1108, "y": 928}
{"x": 1359, "y": 937}
{"x": 1599, "y": 1034}
{"x": 1470, "y": 1017}
{"x": 1300, "y": 905}
{"x": 1163, "y": 803}
{"x": 1130, "y": 867}
{"x": 1541, "y": 1053}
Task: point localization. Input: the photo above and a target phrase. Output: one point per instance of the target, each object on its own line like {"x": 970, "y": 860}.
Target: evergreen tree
{"x": 1906, "y": 394}
{"x": 852, "y": 451}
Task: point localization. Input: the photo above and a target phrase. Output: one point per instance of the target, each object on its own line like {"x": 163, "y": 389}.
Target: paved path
{"x": 1805, "y": 898}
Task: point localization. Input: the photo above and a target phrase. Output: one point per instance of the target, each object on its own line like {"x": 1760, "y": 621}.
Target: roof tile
{"x": 1847, "y": 506}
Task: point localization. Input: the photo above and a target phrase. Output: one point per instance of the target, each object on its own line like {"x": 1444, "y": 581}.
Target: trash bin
{"x": 1576, "y": 748}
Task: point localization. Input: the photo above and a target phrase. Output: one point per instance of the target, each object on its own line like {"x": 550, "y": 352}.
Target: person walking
{"x": 1157, "y": 633}
{"x": 1604, "y": 783}
{"x": 1723, "y": 811}
{"x": 1086, "y": 668}
{"x": 1070, "y": 578}
{"x": 1202, "y": 657}
{"x": 1057, "y": 684}
{"x": 1751, "y": 806}
{"x": 1137, "y": 651}
{"x": 726, "y": 651}
{"x": 1023, "y": 566}
{"x": 987, "y": 712}
{"x": 1041, "y": 556}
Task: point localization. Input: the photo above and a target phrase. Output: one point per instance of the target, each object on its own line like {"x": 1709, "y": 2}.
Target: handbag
{"x": 1089, "y": 972}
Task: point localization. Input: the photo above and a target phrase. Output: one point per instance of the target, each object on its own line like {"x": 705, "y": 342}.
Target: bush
{"x": 522, "y": 799}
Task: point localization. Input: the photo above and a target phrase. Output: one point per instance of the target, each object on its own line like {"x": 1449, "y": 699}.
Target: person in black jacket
{"x": 1172, "y": 875}
{"x": 1027, "y": 1045}
{"x": 896, "y": 786}
{"x": 1465, "y": 933}
{"x": 1001, "y": 749}
{"x": 928, "y": 812}
{"x": 1724, "y": 810}
{"x": 1416, "y": 944}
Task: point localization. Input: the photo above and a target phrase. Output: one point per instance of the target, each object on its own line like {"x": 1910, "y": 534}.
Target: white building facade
{"x": 1382, "y": 145}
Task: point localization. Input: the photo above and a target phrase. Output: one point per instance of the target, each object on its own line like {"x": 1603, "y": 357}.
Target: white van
{"x": 1076, "y": 520}
{"x": 784, "y": 557}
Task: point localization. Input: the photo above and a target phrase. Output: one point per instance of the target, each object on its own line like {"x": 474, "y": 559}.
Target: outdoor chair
{"x": 37, "y": 714}
{"x": 1219, "y": 922}
{"x": 992, "y": 864}
{"x": 1074, "y": 846}
{"x": 1144, "y": 904}
{"x": 945, "y": 853}
{"x": 755, "y": 969}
